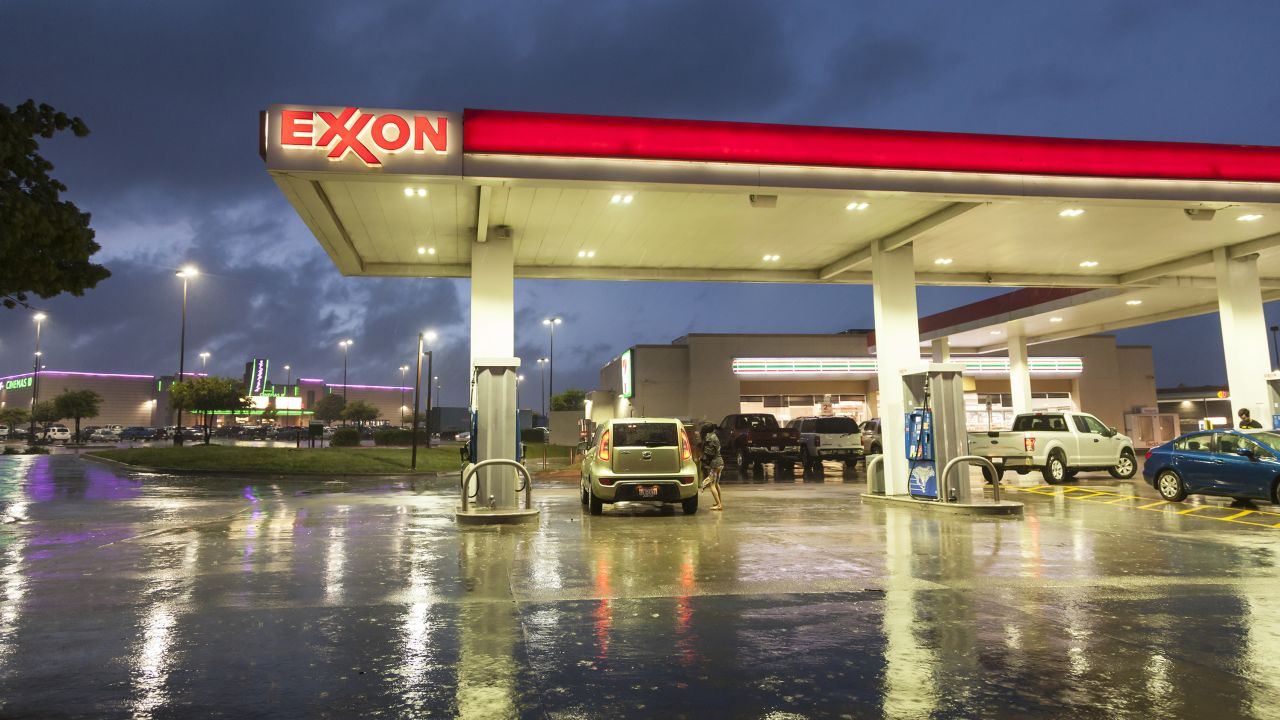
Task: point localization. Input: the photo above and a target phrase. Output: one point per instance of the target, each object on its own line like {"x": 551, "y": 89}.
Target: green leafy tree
{"x": 46, "y": 242}
{"x": 329, "y": 408}
{"x": 207, "y": 395}
{"x": 360, "y": 412}
{"x": 15, "y": 416}
{"x": 569, "y": 400}
{"x": 77, "y": 404}
{"x": 45, "y": 412}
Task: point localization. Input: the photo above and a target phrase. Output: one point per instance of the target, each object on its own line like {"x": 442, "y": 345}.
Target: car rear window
{"x": 1034, "y": 423}
{"x": 834, "y": 425}
{"x": 757, "y": 422}
{"x": 645, "y": 435}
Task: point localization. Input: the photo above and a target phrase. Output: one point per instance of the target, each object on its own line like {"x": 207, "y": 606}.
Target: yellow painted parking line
{"x": 1272, "y": 519}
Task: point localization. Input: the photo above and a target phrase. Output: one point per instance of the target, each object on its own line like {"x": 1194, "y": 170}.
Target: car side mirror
{"x": 1246, "y": 452}
{"x": 1112, "y": 432}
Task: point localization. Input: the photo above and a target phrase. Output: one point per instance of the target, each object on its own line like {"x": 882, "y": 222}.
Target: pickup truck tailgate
{"x": 999, "y": 444}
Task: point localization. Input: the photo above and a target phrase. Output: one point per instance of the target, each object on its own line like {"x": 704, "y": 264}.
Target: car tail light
{"x": 686, "y": 452}
{"x": 606, "y": 452}
{"x": 685, "y": 480}
{"x": 605, "y": 480}
{"x": 1148, "y": 457}
{"x": 1029, "y": 444}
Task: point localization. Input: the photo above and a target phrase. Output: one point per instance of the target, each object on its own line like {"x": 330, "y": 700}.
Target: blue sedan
{"x": 1231, "y": 463}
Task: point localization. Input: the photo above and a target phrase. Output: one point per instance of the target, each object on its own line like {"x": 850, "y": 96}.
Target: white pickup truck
{"x": 1058, "y": 444}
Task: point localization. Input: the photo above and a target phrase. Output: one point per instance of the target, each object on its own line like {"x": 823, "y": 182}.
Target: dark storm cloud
{"x": 171, "y": 92}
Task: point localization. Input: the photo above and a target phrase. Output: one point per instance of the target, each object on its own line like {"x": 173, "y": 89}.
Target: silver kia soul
{"x": 647, "y": 459}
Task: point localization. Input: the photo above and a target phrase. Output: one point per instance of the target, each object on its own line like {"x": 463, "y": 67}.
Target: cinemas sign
{"x": 346, "y": 139}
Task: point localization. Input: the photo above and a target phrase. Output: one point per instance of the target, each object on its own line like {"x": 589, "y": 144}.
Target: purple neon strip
{"x": 310, "y": 380}
{"x": 62, "y": 373}
{"x": 372, "y": 387}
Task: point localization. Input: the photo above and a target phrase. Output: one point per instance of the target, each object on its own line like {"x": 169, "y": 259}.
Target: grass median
{"x": 286, "y": 461}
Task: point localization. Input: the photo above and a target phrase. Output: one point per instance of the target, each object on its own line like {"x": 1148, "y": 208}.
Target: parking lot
{"x": 156, "y": 596}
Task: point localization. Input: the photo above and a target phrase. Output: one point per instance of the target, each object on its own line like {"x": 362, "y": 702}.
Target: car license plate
{"x": 650, "y": 491}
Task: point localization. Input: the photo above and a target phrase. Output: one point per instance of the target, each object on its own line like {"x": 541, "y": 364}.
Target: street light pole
{"x": 344, "y": 344}
{"x": 417, "y": 394}
{"x": 186, "y": 274}
{"x": 403, "y": 369}
{"x": 542, "y": 385}
{"x": 35, "y": 375}
{"x": 288, "y": 376}
{"x": 552, "y": 322}
{"x": 204, "y": 362}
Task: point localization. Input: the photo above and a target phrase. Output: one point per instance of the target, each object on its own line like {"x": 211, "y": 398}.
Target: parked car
{"x": 1059, "y": 444}
{"x": 828, "y": 438}
{"x": 4, "y": 432}
{"x": 138, "y": 432}
{"x": 57, "y": 433}
{"x": 640, "y": 459}
{"x": 18, "y": 433}
{"x": 104, "y": 434}
{"x": 1239, "y": 464}
{"x": 871, "y": 442}
{"x": 748, "y": 439}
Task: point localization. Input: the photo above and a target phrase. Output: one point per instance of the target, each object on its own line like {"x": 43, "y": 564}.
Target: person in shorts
{"x": 712, "y": 464}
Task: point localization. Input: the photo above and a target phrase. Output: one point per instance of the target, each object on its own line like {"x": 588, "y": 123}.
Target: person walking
{"x": 1247, "y": 422}
{"x": 712, "y": 464}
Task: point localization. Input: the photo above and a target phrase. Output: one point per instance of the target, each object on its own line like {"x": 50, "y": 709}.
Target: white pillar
{"x": 493, "y": 301}
{"x": 897, "y": 348}
{"x": 1244, "y": 334}
{"x": 1019, "y": 370}
{"x": 941, "y": 350}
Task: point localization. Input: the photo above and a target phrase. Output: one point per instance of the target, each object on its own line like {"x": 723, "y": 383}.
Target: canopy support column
{"x": 1019, "y": 370}
{"x": 1244, "y": 333}
{"x": 897, "y": 348}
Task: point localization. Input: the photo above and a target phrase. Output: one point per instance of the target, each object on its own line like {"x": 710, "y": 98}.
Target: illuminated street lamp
{"x": 186, "y": 274}
{"x": 552, "y": 322}
{"x": 403, "y": 369}
{"x": 39, "y": 319}
{"x": 423, "y": 338}
{"x": 204, "y": 362}
{"x": 344, "y": 344}
{"x": 542, "y": 383}
{"x": 519, "y": 379}
{"x": 288, "y": 376}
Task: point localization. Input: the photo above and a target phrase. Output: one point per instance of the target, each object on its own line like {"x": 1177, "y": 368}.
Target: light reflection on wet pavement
{"x": 155, "y": 596}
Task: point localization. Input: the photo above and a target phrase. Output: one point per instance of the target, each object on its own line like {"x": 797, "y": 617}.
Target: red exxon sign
{"x": 370, "y": 135}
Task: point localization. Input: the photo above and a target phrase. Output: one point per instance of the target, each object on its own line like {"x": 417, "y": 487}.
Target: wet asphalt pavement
{"x": 131, "y": 595}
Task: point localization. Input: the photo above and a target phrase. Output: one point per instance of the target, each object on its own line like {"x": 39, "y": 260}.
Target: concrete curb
{"x": 1007, "y": 508}
{"x": 251, "y": 474}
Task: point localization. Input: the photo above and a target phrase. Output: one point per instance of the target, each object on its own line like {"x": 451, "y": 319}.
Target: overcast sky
{"x": 171, "y": 93}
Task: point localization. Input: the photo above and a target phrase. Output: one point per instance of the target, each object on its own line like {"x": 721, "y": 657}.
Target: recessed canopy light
{"x": 591, "y": 253}
{"x": 422, "y": 251}
{"x": 772, "y": 258}
{"x": 422, "y": 192}
{"x": 855, "y": 205}
{"x": 1132, "y": 302}
{"x": 626, "y": 199}
{"x": 431, "y": 251}
{"x": 1055, "y": 319}
{"x": 1089, "y": 264}
{"x": 995, "y": 332}
{"x": 1071, "y": 212}
{"x": 408, "y": 192}
{"x": 1249, "y": 218}
{"x": 943, "y": 261}
{"x": 619, "y": 198}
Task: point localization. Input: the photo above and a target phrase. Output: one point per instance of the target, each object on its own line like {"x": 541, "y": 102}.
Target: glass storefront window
{"x": 789, "y": 407}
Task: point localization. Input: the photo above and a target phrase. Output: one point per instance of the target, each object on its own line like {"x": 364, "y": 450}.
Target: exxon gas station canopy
{"x": 407, "y": 193}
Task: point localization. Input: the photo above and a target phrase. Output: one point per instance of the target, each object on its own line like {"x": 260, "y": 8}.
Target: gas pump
{"x": 935, "y": 430}
{"x": 494, "y": 478}
{"x": 1273, "y": 397}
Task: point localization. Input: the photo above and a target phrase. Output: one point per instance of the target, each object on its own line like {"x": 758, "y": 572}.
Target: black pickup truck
{"x": 752, "y": 439}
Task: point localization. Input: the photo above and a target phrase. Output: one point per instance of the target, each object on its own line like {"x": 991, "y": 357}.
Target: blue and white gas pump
{"x": 922, "y": 480}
